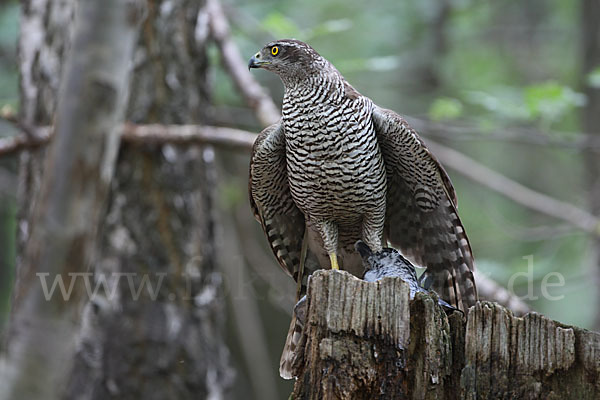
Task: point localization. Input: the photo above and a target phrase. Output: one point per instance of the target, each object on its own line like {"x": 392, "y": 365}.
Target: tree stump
{"x": 366, "y": 340}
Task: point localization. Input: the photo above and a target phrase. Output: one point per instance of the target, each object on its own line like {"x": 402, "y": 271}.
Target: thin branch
{"x": 254, "y": 94}
{"x": 490, "y": 290}
{"x": 537, "y": 233}
{"x": 24, "y": 141}
{"x": 160, "y": 134}
{"x": 581, "y": 141}
{"x": 32, "y": 135}
{"x": 243, "y": 140}
{"x": 513, "y": 190}
{"x": 147, "y": 134}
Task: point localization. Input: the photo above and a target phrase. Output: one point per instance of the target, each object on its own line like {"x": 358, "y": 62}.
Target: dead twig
{"x": 515, "y": 191}
{"x": 25, "y": 141}
{"x": 161, "y": 134}
{"x": 146, "y": 134}
{"x": 265, "y": 109}
{"x": 575, "y": 141}
{"x": 490, "y": 290}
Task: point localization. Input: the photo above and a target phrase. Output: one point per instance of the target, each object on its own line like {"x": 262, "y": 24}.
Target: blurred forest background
{"x": 508, "y": 83}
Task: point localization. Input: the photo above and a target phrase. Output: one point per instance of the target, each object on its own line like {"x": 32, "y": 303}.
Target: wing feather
{"x": 271, "y": 200}
{"x": 283, "y": 223}
{"x": 421, "y": 215}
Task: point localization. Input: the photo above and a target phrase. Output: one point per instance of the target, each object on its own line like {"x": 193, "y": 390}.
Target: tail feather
{"x": 289, "y": 354}
{"x": 435, "y": 240}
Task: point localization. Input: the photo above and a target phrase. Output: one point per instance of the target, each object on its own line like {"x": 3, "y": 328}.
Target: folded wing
{"x": 421, "y": 216}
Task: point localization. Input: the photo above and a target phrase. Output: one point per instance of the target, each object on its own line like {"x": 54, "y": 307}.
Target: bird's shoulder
{"x": 395, "y": 133}
{"x": 350, "y": 92}
{"x": 268, "y": 147}
{"x": 269, "y": 136}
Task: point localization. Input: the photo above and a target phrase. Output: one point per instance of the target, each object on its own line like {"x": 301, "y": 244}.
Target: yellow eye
{"x": 274, "y": 50}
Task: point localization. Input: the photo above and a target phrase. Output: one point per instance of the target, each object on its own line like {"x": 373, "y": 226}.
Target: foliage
{"x": 9, "y": 14}
{"x": 510, "y": 69}
{"x": 506, "y": 68}
{"x": 593, "y": 78}
{"x": 445, "y": 108}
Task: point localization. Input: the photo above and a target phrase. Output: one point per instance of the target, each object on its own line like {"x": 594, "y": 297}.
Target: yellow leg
{"x": 333, "y": 260}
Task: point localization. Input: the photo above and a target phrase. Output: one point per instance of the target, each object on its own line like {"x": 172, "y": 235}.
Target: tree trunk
{"x": 153, "y": 326}
{"x": 366, "y": 340}
{"x": 7, "y": 238}
{"x": 63, "y": 225}
{"x": 160, "y": 231}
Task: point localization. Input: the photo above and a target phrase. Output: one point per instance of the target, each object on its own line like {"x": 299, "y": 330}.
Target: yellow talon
{"x": 333, "y": 260}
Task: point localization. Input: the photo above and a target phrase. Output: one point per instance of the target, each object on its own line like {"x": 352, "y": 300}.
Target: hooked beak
{"x": 256, "y": 62}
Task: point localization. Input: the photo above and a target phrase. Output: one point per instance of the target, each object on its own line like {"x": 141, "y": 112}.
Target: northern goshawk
{"x": 337, "y": 168}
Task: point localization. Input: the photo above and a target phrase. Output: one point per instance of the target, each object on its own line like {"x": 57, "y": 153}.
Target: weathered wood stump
{"x": 367, "y": 340}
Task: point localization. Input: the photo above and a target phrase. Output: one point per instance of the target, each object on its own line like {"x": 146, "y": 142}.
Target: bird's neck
{"x": 317, "y": 86}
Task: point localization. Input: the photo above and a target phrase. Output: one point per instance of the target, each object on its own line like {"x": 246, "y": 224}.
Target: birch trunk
{"x": 155, "y": 329}
{"x": 71, "y": 199}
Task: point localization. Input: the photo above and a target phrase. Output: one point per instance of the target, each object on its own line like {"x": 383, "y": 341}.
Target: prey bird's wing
{"x": 271, "y": 199}
{"x": 421, "y": 216}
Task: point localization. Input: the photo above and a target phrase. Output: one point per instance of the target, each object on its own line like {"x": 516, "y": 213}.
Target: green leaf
{"x": 9, "y": 24}
{"x": 328, "y": 27}
{"x": 383, "y": 63}
{"x": 231, "y": 194}
{"x": 502, "y": 102}
{"x": 445, "y": 108}
{"x": 593, "y": 78}
{"x": 550, "y": 100}
{"x": 281, "y": 26}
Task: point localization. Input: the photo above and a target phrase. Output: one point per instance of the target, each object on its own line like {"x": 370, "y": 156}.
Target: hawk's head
{"x": 287, "y": 57}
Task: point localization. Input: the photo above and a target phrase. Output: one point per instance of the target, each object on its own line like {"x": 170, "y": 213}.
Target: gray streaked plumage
{"x": 390, "y": 263}
{"x": 337, "y": 168}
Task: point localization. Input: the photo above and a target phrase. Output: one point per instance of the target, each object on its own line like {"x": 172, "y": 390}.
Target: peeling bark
{"x": 367, "y": 340}
{"x": 155, "y": 330}
{"x": 63, "y": 225}
{"x": 159, "y": 230}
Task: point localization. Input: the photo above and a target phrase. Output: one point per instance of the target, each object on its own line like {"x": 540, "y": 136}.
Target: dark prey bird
{"x": 390, "y": 263}
{"x": 337, "y": 168}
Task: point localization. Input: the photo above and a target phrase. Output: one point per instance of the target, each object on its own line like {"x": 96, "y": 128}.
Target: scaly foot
{"x": 333, "y": 260}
